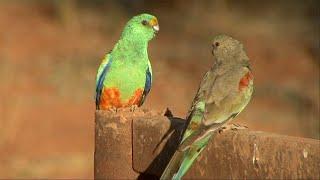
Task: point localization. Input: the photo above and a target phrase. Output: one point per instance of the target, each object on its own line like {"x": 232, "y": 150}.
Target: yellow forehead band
{"x": 153, "y": 22}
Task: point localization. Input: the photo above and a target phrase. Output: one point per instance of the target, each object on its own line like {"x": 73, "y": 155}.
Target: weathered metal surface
{"x": 153, "y": 147}
{"x": 258, "y": 155}
{"x": 113, "y": 145}
{"x": 231, "y": 155}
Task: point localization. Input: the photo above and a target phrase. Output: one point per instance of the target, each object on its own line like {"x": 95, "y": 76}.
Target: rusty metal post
{"x": 131, "y": 145}
{"x": 113, "y": 146}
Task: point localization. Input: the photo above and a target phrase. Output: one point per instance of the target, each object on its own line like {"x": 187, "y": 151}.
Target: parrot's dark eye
{"x": 217, "y": 44}
{"x": 144, "y": 22}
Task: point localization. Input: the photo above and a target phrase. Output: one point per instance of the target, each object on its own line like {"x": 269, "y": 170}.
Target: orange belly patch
{"x": 245, "y": 80}
{"x": 110, "y": 98}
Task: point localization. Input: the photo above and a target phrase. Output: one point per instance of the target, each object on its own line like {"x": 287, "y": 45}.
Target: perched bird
{"x": 224, "y": 92}
{"x": 124, "y": 76}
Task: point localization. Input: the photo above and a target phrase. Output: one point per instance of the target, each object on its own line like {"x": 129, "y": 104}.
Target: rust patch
{"x": 245, "y": 80}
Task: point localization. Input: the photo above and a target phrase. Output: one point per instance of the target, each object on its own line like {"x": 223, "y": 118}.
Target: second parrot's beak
{"x": 154, "y": 24}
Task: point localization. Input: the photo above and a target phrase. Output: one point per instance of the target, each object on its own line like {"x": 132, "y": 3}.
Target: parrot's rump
{"x": 111, "y": 97}
{"x": 135, "y": 99}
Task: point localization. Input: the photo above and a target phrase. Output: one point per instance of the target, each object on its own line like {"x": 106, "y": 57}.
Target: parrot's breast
{"x": 111, "y": 98}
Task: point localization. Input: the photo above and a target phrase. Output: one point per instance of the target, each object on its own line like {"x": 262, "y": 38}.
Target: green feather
{"x": 190, "y": 155}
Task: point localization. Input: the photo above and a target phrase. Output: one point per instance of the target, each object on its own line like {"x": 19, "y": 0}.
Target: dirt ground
{"x": 49, "y": 54}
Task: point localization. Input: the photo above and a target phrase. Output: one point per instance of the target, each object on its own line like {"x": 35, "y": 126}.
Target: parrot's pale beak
{"x": 156, "y": 28}
{"x": 154, "y": 24}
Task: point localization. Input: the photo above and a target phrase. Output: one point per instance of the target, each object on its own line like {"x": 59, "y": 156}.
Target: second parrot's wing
{"x": 208, "y": 112}
{"x": 196, "y": 114}
{"x": 101, "y": 75}
{"x": 206, "y": 116}
{"x": 224, "y": 100}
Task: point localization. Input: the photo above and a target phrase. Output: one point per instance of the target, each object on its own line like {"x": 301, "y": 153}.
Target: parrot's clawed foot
{"x": 133, "y": 108}
{"x": 222, "y": 129}
{"x": 233, "y": 127}
{"x": 239, "y": 127}
{"x": 113, "y": 109}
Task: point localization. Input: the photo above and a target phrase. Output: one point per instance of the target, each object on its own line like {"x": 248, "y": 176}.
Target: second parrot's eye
{"x": 144, "y": 22}
{"x": 216, "y": 44}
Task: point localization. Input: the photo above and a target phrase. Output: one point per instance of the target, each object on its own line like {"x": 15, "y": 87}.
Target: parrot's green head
{"x": 142, "y": 27}
{"x": 225, "y": 49}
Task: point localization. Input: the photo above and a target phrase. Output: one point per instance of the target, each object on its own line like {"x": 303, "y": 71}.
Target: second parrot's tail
{"x": 180, "y": 163}
{"x": 173, "y": 166}
{"x": 189, "y": 157}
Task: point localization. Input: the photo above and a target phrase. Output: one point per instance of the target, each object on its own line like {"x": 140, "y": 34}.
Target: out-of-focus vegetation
{"x": 50, "y": 51}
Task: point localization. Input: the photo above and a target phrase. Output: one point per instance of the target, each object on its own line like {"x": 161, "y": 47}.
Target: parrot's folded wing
{"x": 147, "y": 85}
{"x": 193, "y": 125}
{"x": 102, "y": 72}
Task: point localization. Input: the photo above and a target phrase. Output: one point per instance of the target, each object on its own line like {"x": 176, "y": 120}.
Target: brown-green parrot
{"x": 224, "y": 92}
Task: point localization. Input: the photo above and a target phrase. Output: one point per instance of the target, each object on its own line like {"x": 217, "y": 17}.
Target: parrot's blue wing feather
{"x": 99, "y": 86}
{"x": 147, "y": 86}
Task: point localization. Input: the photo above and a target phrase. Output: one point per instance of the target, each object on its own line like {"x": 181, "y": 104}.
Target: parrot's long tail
{"x": 173, "y": 166}
{"x": 189, "y": 157}
{"x": 180, "y": 163}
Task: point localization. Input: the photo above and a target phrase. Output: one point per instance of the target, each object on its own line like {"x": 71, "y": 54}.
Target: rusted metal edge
{"x": 238, "y": 154}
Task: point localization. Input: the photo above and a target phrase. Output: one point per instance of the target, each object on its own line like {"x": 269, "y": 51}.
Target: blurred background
{"x": 50, "y": 50}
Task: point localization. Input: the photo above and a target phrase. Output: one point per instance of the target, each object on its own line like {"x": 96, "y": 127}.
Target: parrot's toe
{"x": 133, "y": 108}
{"x": 238, "y": 126}
{"x": 113, "y": 109}
{"x": 233, "y": 127}
{"x": 222, "y": 129}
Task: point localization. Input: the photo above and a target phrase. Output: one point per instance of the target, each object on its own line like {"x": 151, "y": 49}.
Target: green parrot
{"x": 224, "y": 92}
{"x": 124, "y": 76}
